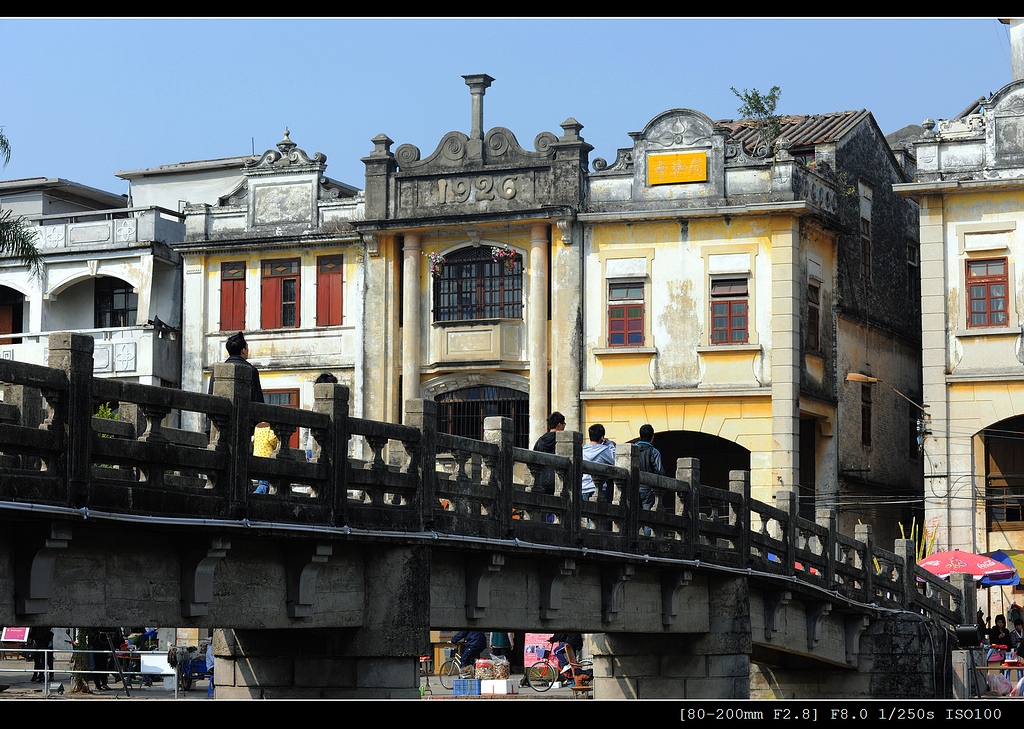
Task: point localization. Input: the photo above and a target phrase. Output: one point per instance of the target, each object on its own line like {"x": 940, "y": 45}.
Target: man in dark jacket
{"x": 476, "y": 641}
{"x": 546, "y": 444}
{"x": 238, "y": 353}
{"x": 649, "y": 460}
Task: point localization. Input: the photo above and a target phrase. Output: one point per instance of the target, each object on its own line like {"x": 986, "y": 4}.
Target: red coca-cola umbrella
{"x": 942, "y": 564}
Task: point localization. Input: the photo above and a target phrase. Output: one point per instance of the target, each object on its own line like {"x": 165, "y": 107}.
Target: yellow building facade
{"x": 971, "y": 199}
{"x": 719, "y": 307}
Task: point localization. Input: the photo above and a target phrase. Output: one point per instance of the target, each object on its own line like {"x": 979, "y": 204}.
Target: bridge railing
{"x": 55, "y": 452}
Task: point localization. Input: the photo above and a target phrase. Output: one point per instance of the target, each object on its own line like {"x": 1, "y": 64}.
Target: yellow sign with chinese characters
{"x": 663, "y": 169}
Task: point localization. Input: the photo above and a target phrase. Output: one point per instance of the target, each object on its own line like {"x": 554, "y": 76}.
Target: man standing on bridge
{"x": 649, "y": 460}
{"x": 238, "y": 353}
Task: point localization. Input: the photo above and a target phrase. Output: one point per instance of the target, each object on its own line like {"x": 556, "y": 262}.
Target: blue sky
{"x": 84, "y": 98}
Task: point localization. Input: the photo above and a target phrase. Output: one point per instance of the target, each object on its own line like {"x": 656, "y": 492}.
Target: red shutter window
{"x": 329, "y": 291}
{"x": 232, "y": 297}
{"x": 626, "y": 315}
{"x": 729, "y": 311}
{"x": 280, "y": 294}
{"x": 986, "y": 285}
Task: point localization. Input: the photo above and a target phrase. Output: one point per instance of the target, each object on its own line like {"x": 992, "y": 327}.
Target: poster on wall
{"x": 536, "y": 647}
{"x": 14, "y": 635}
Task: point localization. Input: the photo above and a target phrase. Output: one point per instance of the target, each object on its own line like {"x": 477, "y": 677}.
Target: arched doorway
{"x": 717, "y": 455}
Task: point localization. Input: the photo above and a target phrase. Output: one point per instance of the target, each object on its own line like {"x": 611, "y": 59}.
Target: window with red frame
{"x": 813, "y": 331}
{"x": 232, "y": 297}
{"x": 280, "y": 294}
{"x": 288, "y": 399}
{"x": 729, "y": 311}
{"x": 626, "y": 314}
{"x": 986, "y": 285}
{"x": 329, "y": 291}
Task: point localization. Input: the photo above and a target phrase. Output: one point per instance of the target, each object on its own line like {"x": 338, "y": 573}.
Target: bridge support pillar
{"x": 712, "y": 665}
{"x": 378, "y": 660}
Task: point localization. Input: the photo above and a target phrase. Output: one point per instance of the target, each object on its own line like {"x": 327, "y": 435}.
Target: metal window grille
{"x": 462, "y": 412}
{"x": 473, "y": 286}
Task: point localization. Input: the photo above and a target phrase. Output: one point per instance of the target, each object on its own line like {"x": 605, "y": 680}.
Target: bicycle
{"x": 545, "y": 672}
{"x": 452, "y": 668}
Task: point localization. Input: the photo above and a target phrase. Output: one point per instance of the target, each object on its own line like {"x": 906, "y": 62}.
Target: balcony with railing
{"x": 115, "y": 228}
{"x": 150, "y": 350}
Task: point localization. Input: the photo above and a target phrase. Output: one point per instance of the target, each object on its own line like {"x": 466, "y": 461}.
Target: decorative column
{"x": 566, "y": 324}
{"x": 786, "y": 352}
{"x": 538, "y": 328}
{"x": 943, "y": 510}
{"x": 411, "y": 319}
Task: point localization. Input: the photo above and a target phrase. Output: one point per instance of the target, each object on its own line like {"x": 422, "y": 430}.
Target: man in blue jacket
{"x": 649, "y": 459}
{"x": 475, "y": 644}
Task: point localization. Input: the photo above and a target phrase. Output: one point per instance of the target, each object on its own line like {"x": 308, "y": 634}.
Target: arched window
{"x": 474, "y": 286}
{"x": 462, "y": 412}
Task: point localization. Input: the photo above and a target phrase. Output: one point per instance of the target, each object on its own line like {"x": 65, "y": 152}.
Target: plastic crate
{"x": 466, "y": 687}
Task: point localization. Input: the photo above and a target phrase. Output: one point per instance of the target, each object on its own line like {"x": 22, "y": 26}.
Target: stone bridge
{"x": 328, "y": 586}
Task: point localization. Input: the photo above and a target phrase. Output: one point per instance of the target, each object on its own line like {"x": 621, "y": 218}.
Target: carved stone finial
{"x": 286, "y": 145}
{"x": 571, "y": 127}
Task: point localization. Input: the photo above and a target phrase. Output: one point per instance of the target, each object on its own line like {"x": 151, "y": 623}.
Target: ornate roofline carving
{"x": 453, "y": 149}
{"x": 288, "y": 154}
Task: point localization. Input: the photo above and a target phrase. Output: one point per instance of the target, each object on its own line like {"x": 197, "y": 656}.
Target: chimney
{"x": 477, "y": 84}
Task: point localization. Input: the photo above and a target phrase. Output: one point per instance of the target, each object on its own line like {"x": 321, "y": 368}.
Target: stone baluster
{"x": 863, "y": 534}
{"x": 233, "y": 381}
{"x": 827, "y": 518}
{"x": 73, "y": 354}
{"x": 739, "y": 483}
{"x": 627, "y": 493}
{"x": 906, "y": 549}
{"x": 786, "y": 501}
{"x": 568, "y": 483}
{"x": 422, "y": 415}
{"x": 500, "y": 432}
{"x": 331, "y": 445}
{"x": 688, "y": 471}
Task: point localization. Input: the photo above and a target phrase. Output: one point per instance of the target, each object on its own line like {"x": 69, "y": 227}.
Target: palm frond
{"x": 5, "y": 148}
{"x": 17, "y": 240}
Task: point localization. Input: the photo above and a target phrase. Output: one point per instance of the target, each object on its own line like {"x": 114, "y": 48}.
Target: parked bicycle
{"x": 452, "y": 668}
{"x": 545, "y": 672}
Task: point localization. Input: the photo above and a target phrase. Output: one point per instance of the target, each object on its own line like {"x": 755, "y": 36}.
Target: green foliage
{"x": 106, "y": 412}
{"x": 17, "y": 239}
{"x": 761, "y": 109}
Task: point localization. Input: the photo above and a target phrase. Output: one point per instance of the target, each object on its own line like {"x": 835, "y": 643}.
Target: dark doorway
{"x": 717, "y": 455}
{"x": 12, "y": 306}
